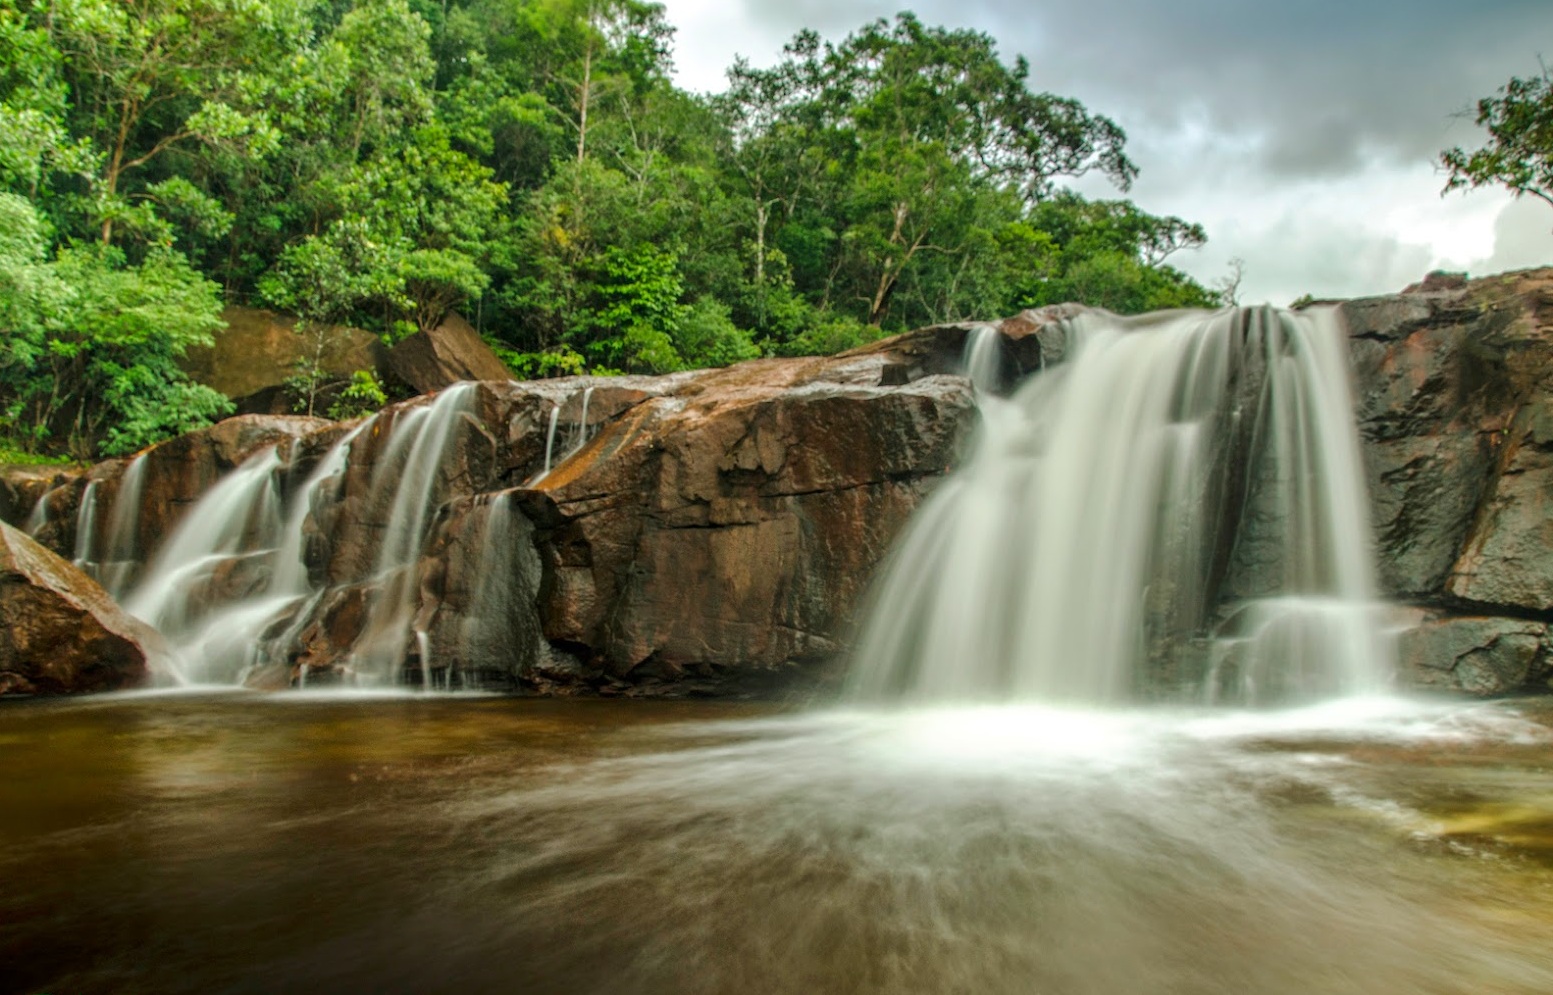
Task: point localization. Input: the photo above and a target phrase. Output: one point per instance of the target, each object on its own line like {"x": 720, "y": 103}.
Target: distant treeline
{"x": 530, "y": 164}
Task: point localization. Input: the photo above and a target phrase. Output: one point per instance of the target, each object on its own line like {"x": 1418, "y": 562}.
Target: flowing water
{"x": 230, "y": 588}
{"x": 1166, "y": 466}
{"x": 304, "y": 842}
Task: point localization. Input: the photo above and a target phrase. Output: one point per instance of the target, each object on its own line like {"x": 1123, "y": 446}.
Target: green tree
{"x": 1519, "y": 152}
{"x": 93, "y": 343}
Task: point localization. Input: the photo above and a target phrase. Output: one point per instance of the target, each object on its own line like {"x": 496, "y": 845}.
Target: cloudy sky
{"x": 1302, "y": 134}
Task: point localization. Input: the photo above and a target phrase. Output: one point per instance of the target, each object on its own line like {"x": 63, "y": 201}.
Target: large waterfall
{"x": 1176, "y": 506}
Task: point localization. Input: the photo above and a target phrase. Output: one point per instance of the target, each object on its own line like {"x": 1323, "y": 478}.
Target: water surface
{"x": 262, "y": 843}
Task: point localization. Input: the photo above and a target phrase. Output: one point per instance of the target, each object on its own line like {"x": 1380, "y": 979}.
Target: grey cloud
{"x": 1327, "y": 83}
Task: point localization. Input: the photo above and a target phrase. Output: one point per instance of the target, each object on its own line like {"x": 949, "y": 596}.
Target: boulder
{"x": 451, "y": 352}
{"x": 251, "y": 359}
{"x": 59, "y": 630}
{"x": 1477, "y": 655}
{"x": 726, "y": 531}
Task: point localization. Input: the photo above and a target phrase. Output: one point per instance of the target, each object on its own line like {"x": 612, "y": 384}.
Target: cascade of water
{"x": 38, "y": 516}
{"x": 423, "y": 648}
{"x": 86, "y": 530}
{"x": 1083, "y": 549}
{"x": 580, "y": 435}
{"x": 120, "y": 561}
{"x": 413, "y": 461}
{"x": 555, "y": 416}
{"x": 488, "y": 632}
{"x": 984, "y": 357}
{"x": 194, "y": 588}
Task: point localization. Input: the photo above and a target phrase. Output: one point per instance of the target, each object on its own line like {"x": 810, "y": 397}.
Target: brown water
{"x": 251, "y": 843}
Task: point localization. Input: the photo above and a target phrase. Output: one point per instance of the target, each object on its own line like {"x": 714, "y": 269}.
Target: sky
{"x": 1302, "y": 134}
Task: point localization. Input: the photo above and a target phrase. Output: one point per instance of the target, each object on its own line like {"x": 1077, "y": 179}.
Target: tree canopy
{"x": 530, "y": 164}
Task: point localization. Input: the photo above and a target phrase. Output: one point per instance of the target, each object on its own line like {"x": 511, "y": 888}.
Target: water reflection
{"x": 250, "y": 843}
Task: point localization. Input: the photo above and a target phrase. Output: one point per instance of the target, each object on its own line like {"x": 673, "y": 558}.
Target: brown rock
{"x": 59, "y": 630}
{"x": 728, "y": 529}
{"x": 1448, "y": 382}
{"x": 258, "y": 350}
{"x": 449, "y": 353}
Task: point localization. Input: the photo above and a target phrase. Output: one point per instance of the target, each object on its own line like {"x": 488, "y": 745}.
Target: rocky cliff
{"x": 713, "y": 532}
{"x": 1454, "y": 381}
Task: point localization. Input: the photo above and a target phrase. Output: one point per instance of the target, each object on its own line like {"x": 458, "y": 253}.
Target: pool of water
{"x": 299, "y": 843}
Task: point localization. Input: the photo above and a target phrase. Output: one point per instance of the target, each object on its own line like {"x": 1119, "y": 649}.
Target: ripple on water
{"x": 414, "y": 843}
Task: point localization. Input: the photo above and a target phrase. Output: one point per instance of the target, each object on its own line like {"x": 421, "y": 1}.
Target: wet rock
{"x": 1508, "y": 559}
{"x": 59, "y": 631}
{"x": 1447, "y": 380}
{"x": 730, "y": 527}
{"x": 1478, "y": 655}
{"x": 251, "y": 359}
{"x": 449, "y": 353}
{"x": 180, "y": 471}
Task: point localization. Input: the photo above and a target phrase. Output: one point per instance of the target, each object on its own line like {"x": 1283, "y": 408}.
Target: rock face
{"x": 714, "y": 531}
{"x": 705, "y": 532}
{"x": 1454, "y": 381}
{"x": 730, "y": 527}
{"x": 60, "y": 632}
{"x": 453, "y": 351}
{"x": 258, "y": 350}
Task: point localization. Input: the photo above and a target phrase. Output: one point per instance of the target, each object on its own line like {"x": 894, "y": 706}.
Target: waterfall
{"x": 117, "y": 569}
{"x": 85, "y": 555}
{"x": 38, "y": 516}
{"x": 984, "y": 357}
{"x": 409, "y": 468}
{"x": 580, "y": 432}
{"x": 1180, "y": 501}
{"x": 231, "y": 589}
{"x": 490, "y": 633}
{"x": 555, "y": 417}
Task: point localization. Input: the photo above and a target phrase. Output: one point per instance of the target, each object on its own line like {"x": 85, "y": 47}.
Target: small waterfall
{"x": 489, "y": 633}
{"x": 38, "y": 515}
{"x": 120, "y": 557}
{"x": 984, "y": 357}
{"x": 410, "y": 468}
{"x": 231, "y": 587}
{"x": 555, "y": 417}
{"x": 86, "y": 530}
{"x": 580, "y": 432}
{"x": 1167, "y": 465}
{"x": 196, "y": 589}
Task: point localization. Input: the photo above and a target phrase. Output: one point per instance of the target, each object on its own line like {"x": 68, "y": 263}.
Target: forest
{"x": 531, "y": 165}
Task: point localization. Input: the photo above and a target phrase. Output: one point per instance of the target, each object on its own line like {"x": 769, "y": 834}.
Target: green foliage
{"x": 529, "y": 163}
{"x": 362, "y": 395}
{"x": 94, "y": 342}
{"x": 707, "y": 336}
{"x": 1519, "y": 153}
{"x": 11, "y": 455}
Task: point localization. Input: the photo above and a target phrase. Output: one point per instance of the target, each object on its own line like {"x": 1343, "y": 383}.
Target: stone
{"x": 59, "y": 631}
{"x": 1443, "y": 379}
{"x": 251, "y": 359}
{"x": 1476, "y": 655}
{"x": 453, "y": 351}
{"x": 1508, "y": 560}
{"x": 728, "y": 530}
